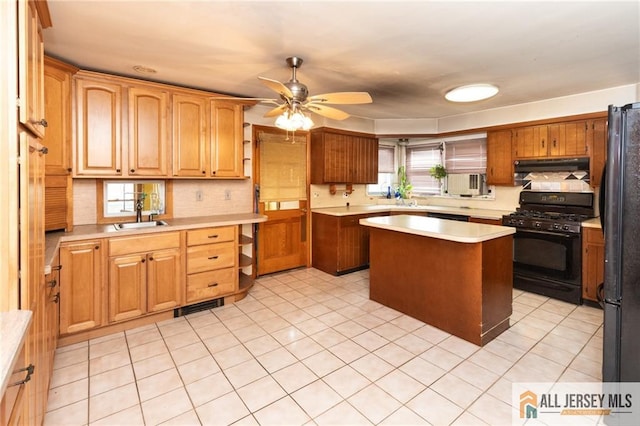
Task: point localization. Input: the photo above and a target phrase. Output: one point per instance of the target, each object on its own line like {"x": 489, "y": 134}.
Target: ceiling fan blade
{"x": 329, "y": 112}
{"x": 276, "y": 111}
{"x": 277, "y": 87}
{"x": 342, "y": 98}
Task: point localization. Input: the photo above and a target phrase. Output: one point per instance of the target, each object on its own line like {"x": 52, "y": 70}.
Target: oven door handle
{"x": 553, "y": 234}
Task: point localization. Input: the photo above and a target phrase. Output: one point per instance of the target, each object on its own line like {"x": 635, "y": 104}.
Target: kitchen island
{"x": 456, "y": 276}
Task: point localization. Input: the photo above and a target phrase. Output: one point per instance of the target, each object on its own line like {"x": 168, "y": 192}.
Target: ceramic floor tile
{"x": 394, "y": 354}
{"x": 111, "y": 379}
{"x": 403, "y": 417}
{"x": 434, "y": 408}
{"x": 285, "y": 411}
{"x": 195, "y": 370}
{"x": 142, "y": 337}
{"x": 112, "y": 401}
{"x": 350, "y": 329}
{"x": 294, "y": 377}
{"x": 107, "y": 337}
{"x": 370, "y": 340}
{"x": 99, "y": 349}
{"x": 456, "y": 390}
{"x": 458, "y": 346}
{"x": 288, "y": 335}
{"x": 467, "y": 419}
{"x": 68, "y": 394}
{"x": 323, "y": 363}
{"x": 190, "y": 418}
{"x": 166, "y": 406}
{"x": 69, "y": 374}
{"x": 150, "y": 366}
{"x": 245, "y": 373}
{"x": 129, "y": 416}
{"x": 348, "y": 351}
{"x": 74, "y": 414}
{"x": 261, "y": 393}
{"x": 262, "y": 345}
{"x": 221, "y": 342}
{"x": 374, "y": 403}
{"x": 249, "y": 333}
{"x": 189, "y": 353}
{"x": 70, "y": 357}
{"x": 73, "y": 347}
{"x": 232, "y": 356}
{"x": 208, "y": 388}
{"x": 372, "y": 367}
{"x": 202, "y": 319}
{"x": 160, "y": 383}
{"x": 413, "y": 344}
{"x": 211, "y": 330}
{"x": 431, "y": 334}
{"x": 180, "y": 340}
{"x": 475, "y": 375}
{"x": 389, "y": 331}
{"x": 343, "y": 414}
{"x": 148, "y": 350}
{"x": 491, "y": 361}
{"x": 400, "y": 386}
{"x": 173, "y": 326}
{"x": 441, "y": 358}
{"x": 304, "y": 348}
{"x": 276, "y": 360}
{"x": 423, "y": 371}
{"x": 311, "y": 326}
{"x": 316, "y": 398}
{"x": 491, "y": 410}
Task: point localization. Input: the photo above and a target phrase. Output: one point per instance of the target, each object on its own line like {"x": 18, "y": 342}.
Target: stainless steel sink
{"x": 139, "y": 225}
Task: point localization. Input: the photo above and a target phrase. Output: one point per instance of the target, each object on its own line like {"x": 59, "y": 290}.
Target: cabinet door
{"x": 597, "y": 146}
{"x": 530, "y": 142}
{"x": 499, "y": 162}
{"x": 127, "y": 282}
{"x": 57, "y": 101}
{"x": 80, "y": 286}
{"x": 226, "y": 139}
{"x": 98, "y": 127}
{"x": 338, "y": 152}
{"x": 30, "y": 72}
{"x": 364, "y": 158}
{"x": 568, "y": 139}
{"x": 353, "y": 243}
{"x": 189, "y": 136}
{"x": 148, "y": 137}
{"x": 592, "y": 262}
{"x": 164, "y": 280}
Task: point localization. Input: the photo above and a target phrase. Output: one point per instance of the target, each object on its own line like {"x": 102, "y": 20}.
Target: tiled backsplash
{"x": 577, "y": 181}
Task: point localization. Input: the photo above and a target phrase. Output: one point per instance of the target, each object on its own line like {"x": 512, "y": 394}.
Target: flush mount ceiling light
{"x": 471, "y": 93}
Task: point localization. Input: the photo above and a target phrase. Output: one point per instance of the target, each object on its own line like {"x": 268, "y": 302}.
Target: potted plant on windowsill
{"x": 439, "y": 172}
{"x": 404, "y": 186}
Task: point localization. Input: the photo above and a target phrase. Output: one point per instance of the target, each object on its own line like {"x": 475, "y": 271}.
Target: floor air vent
{"x": 209, "y": 304}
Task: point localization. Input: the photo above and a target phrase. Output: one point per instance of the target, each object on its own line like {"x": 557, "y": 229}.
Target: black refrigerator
{"x": 620, "y": 196}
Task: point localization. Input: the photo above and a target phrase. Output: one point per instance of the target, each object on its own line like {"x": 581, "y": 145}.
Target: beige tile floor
{"x": 308, "y": 348}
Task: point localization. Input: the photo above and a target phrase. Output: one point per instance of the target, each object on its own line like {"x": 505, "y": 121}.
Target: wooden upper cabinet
{"x": 148, "y": 133}
{"x": 189, "y": 135}
{"x": 339, "y": 156}
{"x": 499, "y": 159}
{"x": 597, "y": 146}
{"x": 226, "y": 139}
{"x": 568, "y": 139}
{"x": 530, "y": 142}
{"x": 57, "y": 97}
{"x": 30, "y": 71}
{"x": 98, "y": 126}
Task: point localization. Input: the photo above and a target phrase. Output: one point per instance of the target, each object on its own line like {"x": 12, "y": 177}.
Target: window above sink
{"x": 117, "y": 199}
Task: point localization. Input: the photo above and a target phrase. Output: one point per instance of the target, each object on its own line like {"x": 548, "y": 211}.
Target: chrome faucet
{"x": 139, "y": 204}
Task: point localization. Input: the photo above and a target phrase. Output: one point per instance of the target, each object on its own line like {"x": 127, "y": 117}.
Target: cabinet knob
{"x": 56, "y": 297}
{"x": 143, "y": 260}
{"x": 30, "y": 369}
{"x": 42, "y": 122}
{"x": 132, "y": 170}
{"x": 204, "y": 173}
{"x": 52, "y": 283}
{"x": 150, "y": 258}
{"x": 44, "y": 150}
{"x": 97, "y": 247}
{"x": 213, "y": 257}
{"x": 69, "y": 169}
{"x": 117, "y": 170}
{"x": 213, "y": 236}
{"x": 213, "y": 285}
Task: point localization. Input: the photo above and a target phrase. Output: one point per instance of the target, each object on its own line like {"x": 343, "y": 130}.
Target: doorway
{"x": 281, "y": 194}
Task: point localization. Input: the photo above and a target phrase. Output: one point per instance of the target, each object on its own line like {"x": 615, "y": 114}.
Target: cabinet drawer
{"x": 138, "y": 244}
{"x": 212, "y": 284}
{"x": 210, "y": 257}
{"x": 211, "y": 235}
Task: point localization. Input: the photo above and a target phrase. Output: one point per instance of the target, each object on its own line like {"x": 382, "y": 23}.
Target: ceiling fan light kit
{"x": 296, "y": 101}
{"x": 471, "y": 93}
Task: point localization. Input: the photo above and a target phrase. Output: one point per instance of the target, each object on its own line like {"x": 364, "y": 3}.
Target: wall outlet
{"x": 198, "y": 195}
{"x": 227, "y": 194}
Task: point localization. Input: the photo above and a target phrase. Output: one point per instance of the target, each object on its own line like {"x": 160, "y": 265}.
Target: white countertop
{"x": 85, "y": 232}
{"x": 451, "y": 230}
{"x": 375, "y": 208}
{"x": 13, "y": 330}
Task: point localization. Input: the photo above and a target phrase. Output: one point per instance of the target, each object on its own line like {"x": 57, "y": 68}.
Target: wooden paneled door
{"x": 280, "y": 173}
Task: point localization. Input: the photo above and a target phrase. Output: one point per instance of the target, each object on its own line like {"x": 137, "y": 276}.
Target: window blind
{"x": 466, "y": 156}
{"x": 419, "y": 161}
{"x": 385, "y": 159}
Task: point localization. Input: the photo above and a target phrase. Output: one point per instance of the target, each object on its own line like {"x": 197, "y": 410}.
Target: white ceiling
{"x": 406, "y": 54}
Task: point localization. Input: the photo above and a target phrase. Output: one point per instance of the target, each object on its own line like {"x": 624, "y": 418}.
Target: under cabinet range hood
{"x": 551, "y": 165}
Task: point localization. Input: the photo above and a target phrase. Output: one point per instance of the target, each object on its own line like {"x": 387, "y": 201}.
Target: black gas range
{"x": 547, "y": 246}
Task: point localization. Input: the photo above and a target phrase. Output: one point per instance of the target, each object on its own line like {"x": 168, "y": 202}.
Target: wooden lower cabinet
{"x": 592, "y": 262}
{"x": 339, "y": 243}
{"x": 486, "y": 221}
{"x": 145, "y": 275}
{"x": 81, "y": 286}
{"x": 212, "y": 263}
{"x": 12, "y": 403}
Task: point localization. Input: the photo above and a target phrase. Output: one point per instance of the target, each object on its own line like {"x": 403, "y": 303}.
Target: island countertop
{"x": 463, "y": 211}
{"x": 451, "y": 230}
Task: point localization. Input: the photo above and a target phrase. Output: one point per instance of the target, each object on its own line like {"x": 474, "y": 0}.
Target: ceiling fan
{"x": 297, "y": 100}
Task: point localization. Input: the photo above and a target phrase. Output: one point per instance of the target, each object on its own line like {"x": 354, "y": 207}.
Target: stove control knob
{"x": 538, "y": 225}
{"x": 556, "y": 226}
{"x": 521, "y": 222}
{"x": 565, "y": 227}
